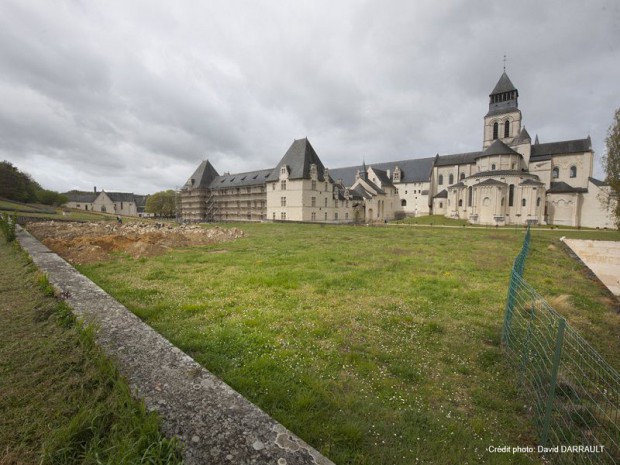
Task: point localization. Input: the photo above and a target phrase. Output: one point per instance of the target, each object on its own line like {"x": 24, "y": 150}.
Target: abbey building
{"x": 512, "y": 180}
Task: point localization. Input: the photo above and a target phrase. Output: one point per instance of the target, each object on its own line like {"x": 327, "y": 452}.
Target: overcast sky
{"x": 132, "y": 95}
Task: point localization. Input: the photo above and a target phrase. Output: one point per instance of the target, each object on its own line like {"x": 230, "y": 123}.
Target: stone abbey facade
{"x": 512, "y": 180}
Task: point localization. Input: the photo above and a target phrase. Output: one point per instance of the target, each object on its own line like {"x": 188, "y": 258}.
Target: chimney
{"x": 389, "y": 174}
{"x": 95, "y": 189}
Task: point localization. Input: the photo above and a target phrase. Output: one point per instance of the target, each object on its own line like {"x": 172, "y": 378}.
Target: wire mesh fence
{"x": 574, "y": 394}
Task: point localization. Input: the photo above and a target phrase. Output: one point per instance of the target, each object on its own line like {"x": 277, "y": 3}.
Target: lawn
{"x": 377, "y": 345}
{"x": 61, "y": 400}
{"x": 38, "y": 211}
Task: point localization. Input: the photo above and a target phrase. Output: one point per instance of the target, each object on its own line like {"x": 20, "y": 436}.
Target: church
{"x": 511, "y": 181}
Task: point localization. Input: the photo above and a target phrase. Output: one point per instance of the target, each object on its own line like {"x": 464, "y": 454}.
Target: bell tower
{"x": 503, "y": 121}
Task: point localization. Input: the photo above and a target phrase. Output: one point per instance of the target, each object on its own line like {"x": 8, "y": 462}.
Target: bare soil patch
{"x": 90, "y": 242}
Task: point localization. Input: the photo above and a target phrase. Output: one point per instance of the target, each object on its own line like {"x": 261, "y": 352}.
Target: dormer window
{"x": 283, "y": 170}
{"x": 397, "y": 174}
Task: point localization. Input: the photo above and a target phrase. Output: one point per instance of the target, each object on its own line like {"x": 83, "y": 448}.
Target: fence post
{"x": 553, "y": 381}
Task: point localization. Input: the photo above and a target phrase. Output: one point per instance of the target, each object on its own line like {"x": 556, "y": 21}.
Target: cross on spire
{"x": 504, "y": 62}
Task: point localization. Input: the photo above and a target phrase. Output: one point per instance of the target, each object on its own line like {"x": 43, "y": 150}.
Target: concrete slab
{"x": 602, "y": 257}
{"x": 215, "y": 424}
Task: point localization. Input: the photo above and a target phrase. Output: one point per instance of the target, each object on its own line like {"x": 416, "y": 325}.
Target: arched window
{"x": 523, "y": 202}
{"x": 441, "y": 179}
{"x": 573, "y": 171}
{"x": 403, "y": 203}
{"x": 538, "y": 202}
{"x": 493, "y": 166}
{"x": 451, "y": 180}
{"x": 460, "y": 202}
{"x": 470, "y": 198}
{"x": 462, "y": 176}
{"x": 502, "y": 204}
{"x": 440, "y": 204}
{"x": 555, "y": 173}
{"x": 507, "y": 129}
{"x": 495, "y": 130}
{"x": 511, "y": 195}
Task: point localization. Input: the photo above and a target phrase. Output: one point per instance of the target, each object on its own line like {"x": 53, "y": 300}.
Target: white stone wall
{"x": 515, "y": 127}
{"x": 597, "y": 207}
{"x": 582, "y": 162}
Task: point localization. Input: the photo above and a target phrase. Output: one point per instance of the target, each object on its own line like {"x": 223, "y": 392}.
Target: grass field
{"x": 61, "y": 400}
{"x": 376, "y": 345}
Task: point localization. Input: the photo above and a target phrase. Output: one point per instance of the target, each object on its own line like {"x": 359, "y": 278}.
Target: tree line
{"x": 20, "y": 187}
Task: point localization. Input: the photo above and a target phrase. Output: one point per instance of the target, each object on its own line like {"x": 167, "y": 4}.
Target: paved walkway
{"x": 602, "y": 257}
{"x": 215, "y": 424}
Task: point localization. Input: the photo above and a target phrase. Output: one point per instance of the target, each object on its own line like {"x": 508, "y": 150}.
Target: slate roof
{"x": 491, "y": 182}
{"x": 556, "y": 148}
{"x": 458, "y": 184}
{"x": 121, "y": 196}
{"x": 141, "y": 200}
{"x": 456, "y": 159}
{"x": 498, "y": 148}
{"x": 561, "y": 187}
{"x": 203, "y": 176}
{"x": 363, "y": 193}
{"x": 415, "y": 170}
{"x": 497, "y": 173}
{"x": 249, "y": 178}
{"x": 503, "y": 85}
{"x": 598, "y": 183}
{"x": 531, "y": 182}
{"x": 79, "y": 196}
{"x": 502, "y": 110}
{"x": 298, "y": 159}
{"x": 523, "y": 136}
{"x": 383, "y": 177}
{"x": 442, "y": 195}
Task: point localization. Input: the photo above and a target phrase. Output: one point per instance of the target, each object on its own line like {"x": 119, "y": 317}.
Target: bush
{"x": 7, "y": 225}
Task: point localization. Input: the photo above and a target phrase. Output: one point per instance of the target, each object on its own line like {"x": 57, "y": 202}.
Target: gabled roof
{"x": 120, "y": 196}
{"x": 566, "y": 146}
{"x": 202, "y": 177}
{"x": 458, "y": 184}
{"x": 80, "y": 196}
{"x": 496, "y": 173}
{"x": 442, "y": 195}
{"x": 503, "y": 85}
{"x": 561, "y": 187}
{"x": 415, "y": 170}
{"x": 298, "y": 159}
{"x": 457, "y": 159}
{"x": 383, "y": 177}
{"x": 498, "y": 148}
{"x": 249, "y": 178}
{"x": 363, "y": 193}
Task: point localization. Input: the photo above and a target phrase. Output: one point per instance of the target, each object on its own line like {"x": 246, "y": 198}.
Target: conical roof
{"x": 202, "y": 177}
{"x": 523, "y": 136}
{"x": 298, "y": 159}
{"x": 503, "y": 85}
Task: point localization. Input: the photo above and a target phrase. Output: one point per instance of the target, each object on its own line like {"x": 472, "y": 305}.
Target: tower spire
{"x": 504, "y": 62}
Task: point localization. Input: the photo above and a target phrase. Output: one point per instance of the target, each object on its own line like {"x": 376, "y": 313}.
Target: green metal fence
{"x": 573, "y": 394}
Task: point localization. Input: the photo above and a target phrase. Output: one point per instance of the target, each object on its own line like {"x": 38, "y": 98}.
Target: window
{"x": 538, "y": 202}
{"x": 248, "y": 190}
{"x": 573, "y": 172}
{"x": 346, "y": 204}
{"x": 555, "y": 173}
{"x": 273, "y": 188}
{"x": 441, "y": 179}
{"x": 283, "y": 185}
{"x": 495, "y": 130}
{"x": 325, "y": 216}
{"x": 326, "y": 204}
{"x": 462, "y": 176}
{"x": 283, "y": 201}
{"x": 470, "y": 196}
{"x": 283, "y": 216}
{"x": 346, "y": 216}
{"x": 314, "y": 201}
{"x": 511, "y": 195}
{"x": 283, "y": 170}
{"x": 313, "y": 185}
{"x": 460, "y": 202}
{"x": 313, "y": 216}
{"x": 451, "y": 180}
{"x": 274, "y": 215}
{"x": 440, "y": 204}
{"x": 523, "y": 202}
{"x": 403, "y": 203}
{"x": 493, "y": 167}
{"x": 507, "y": 129}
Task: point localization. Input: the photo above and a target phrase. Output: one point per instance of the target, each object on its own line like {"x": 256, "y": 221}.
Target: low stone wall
{"x": 215, "y": 424}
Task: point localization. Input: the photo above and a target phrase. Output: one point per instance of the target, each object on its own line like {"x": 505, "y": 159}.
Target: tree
{"x": 611, "y": 163}
{"x": 162, "y": 203}
{"x": 15, "y": 185}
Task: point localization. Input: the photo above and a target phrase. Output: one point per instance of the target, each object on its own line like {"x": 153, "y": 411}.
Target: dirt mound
{"x": 91, "y": 242}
